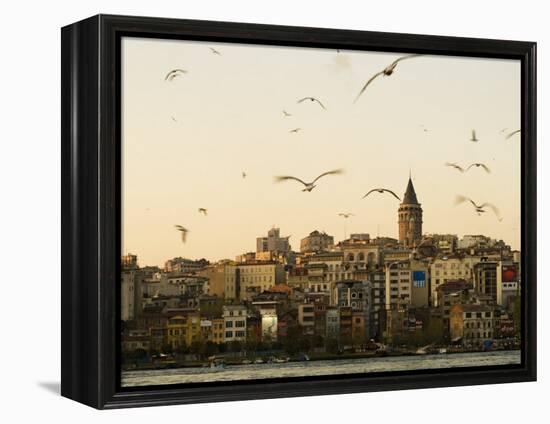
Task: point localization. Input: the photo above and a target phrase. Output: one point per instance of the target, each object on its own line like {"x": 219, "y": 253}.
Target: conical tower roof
{"x": 410, "y": 195}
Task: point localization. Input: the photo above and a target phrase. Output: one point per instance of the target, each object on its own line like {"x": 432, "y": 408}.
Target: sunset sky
{"x": 186, "y": 142}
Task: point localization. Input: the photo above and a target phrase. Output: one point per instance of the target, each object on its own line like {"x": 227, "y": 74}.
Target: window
{"x": 228, "y": 324}
{"x": 239, "y": 324}
{"x": 239, "y": 334}
{"x": 229, "y": 334}
{"x": 468, "y": 315}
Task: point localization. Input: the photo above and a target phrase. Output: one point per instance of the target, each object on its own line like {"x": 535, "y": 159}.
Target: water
{"x": 301, "y": 369}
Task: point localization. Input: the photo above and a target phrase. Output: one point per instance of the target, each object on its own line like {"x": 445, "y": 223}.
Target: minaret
{"x": 410, "y": 218}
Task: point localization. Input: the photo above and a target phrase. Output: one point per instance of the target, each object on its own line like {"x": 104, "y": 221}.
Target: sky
{"x": 186, "y": 142}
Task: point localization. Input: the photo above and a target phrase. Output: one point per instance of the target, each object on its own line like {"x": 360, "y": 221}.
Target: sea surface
{"x": 313, "y": 368}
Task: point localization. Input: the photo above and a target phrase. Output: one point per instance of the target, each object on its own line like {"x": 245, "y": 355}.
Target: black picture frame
{"x": 91, "y": 220}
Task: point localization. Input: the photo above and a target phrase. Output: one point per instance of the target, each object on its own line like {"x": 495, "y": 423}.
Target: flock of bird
{"x": 309, "y": 186}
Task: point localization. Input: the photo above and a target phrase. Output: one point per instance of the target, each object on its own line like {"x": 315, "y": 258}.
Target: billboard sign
{"x": 419, "y": 279}
{"x": 509, "y": 273}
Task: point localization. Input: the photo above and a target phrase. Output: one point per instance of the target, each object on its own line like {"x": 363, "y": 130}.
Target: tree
{"x": 211, "y": 348}
{"x": 331, "y": 345}
{"x": 167, "y": 348}
{"x": 181, "y": 349}
{"x": 305, "y": 344}
{"x": 290, "y": 342}
{"x": 516, "y": 315}
{"x": 235, "y": 346}
{"x": 435, "y": 331}
{"x": 198, "y": 347}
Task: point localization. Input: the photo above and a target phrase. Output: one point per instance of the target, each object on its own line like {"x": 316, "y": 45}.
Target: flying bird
{"x": 295, "y": 130}
{"x": 174, "y": 119}
{"x": 215, "y": 51}
{"x": 346, "y": 215}
{"x": 203, "y": 211}
{"x": 474, "y": 138}
{"x": 387, "y": 71}
{"x": 477, "y": 165}
{"x": 174, "y": 73}
{"x": 455, "y": 166}
{"x": 308, "y": 186}
{"x": 243, "y": 174}
{"x": 312, "y": 99}
{"x": 382, "y": 190}
{"x": 478, "y": 208}
{"x": 285, "y": 113}
{"x": 512, "y": 134}
{"x": 183, "y": 231}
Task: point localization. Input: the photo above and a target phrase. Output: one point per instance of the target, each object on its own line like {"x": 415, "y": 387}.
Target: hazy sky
{"x": 229, "y": 117}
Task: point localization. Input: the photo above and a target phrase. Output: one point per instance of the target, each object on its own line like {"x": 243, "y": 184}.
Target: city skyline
{"x": 187, "y": 142}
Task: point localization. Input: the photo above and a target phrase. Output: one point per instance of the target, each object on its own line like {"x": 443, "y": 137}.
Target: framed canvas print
{"x": 254, "y": 211}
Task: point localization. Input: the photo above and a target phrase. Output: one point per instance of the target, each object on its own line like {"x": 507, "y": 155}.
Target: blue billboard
{"x": 419, "y": 279}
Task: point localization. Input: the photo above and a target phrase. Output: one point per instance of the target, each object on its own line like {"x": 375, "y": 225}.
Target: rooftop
{"x": 410, "y": 195}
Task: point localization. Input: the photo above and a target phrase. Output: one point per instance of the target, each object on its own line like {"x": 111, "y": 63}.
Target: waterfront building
{"x": 136, "y": 340}
{"x": 508, "y": 283}
{"x": 332, "y": 317}
{"x": 234, "y": 317}
{"x": 218, "y": 332}
{"x": 472, "y": 324}
{"x": 306, "y": 318}
{"x": 377, "y": 278}
{"x": 127, "y": 296}
{"x": 451, "y": 293}
{"x": 345, "y": 320}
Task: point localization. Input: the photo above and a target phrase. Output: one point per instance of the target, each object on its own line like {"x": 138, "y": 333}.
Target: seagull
{"x": 203, "y": 211}
{"x": 312, "y": 99}
{"x": 477, "y": 165}
{"x": 308, "y": 186}
{"x": 285, "y": 113}
{"x": 512, "y": 134}
{"x": 455, "y": 166}
{"x": 346, "y": 215}
{"x": 382, "y": 190}
{"x": 295, "y": 130}
{"x": 215, "y": 51}
{"x": 478, "y": 208}
{"x": 387, "y": 71}
{"x": 183, "y": 231}
{"x": 243, "y": 174}
{"x": 174, "y": 73}
{"x": 174, "y": 119}
{"x": 474, "y": 138}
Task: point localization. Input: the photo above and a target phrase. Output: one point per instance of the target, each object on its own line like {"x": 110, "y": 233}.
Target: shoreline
{"x": 313, "y": 357}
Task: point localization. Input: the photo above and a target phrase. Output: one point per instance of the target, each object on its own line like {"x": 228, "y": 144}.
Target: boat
{"x": 258, "y": 361}
{"x": 280, "y": 360}
{"x": 217, "y": 365}
{"x": 442, "y": 350}
{"x": 246, "y": 362}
